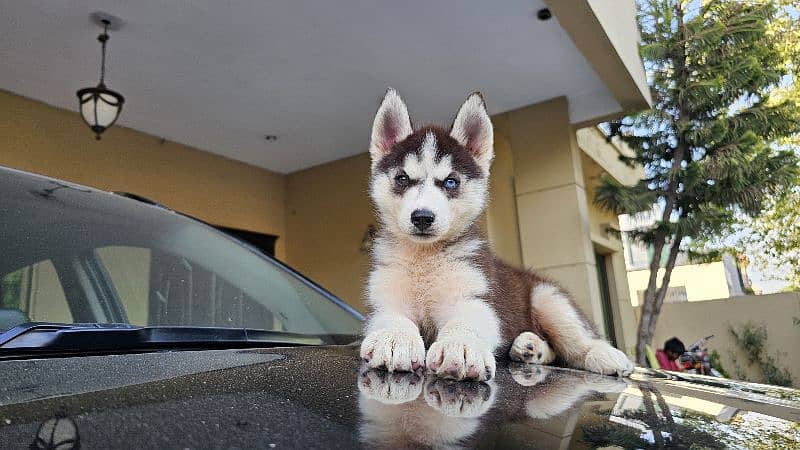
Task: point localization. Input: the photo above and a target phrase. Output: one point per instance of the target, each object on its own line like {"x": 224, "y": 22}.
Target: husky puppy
{"x": 434, "y": 280}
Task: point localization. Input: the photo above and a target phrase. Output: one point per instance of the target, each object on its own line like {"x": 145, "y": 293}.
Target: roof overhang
{"x": 606, "y": 154}
{"x": 606, "y": 33}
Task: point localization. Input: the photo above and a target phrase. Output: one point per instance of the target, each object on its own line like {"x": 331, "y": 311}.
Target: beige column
{"x": 551, "y": 201}
{"x": 625, "y": 325}
{"x": 500, "y": 219}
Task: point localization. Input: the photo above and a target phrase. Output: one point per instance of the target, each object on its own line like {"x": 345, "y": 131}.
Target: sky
{"x": 763, "y": 280}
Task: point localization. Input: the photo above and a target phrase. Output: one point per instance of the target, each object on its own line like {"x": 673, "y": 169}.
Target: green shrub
{"x": 752, "y": 339}
{"x": 715, "y": 363}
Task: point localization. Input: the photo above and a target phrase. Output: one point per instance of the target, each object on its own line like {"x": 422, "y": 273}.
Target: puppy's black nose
{"x": 422, "y": 219}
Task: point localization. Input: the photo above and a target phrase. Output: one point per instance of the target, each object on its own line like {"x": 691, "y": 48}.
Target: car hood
{"x": 321, "y": 397}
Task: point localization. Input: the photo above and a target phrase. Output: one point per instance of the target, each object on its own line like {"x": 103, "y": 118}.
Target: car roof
{"x": 321, "y": 397}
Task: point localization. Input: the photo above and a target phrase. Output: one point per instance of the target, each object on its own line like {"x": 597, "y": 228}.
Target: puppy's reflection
{"x": 551, "y": 391}
{"x": 412, "y": 410}
{"x": 390, "y": 388}
{"x": 459, "y": 399}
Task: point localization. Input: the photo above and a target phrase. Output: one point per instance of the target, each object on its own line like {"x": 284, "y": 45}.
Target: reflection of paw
{"x": 605, "y": 359}
{"x": 461, "y": 358}
{"x": 530, "y": 348}
{"x": 459, "y": 399}
{"x": 565, "y": 389}
{"x": 394, "y": 349}
{"x": 604, "y": 384}
{"x": 528, "y": 375}
{"x": 390, "y": 388}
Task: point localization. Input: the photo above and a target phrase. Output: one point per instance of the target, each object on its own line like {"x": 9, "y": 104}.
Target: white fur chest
{"x": 419, "y": 281}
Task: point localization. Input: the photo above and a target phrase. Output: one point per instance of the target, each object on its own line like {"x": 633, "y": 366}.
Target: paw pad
{"x": 530, "y": 348}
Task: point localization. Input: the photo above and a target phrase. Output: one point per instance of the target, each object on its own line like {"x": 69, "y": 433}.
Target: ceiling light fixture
{"x": 100, "y": 106}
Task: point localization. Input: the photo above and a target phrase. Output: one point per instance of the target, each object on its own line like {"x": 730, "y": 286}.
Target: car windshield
{"x": 77, "y": 255}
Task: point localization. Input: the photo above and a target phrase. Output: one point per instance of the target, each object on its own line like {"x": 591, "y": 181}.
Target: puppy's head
{"x": 431, "y": 184}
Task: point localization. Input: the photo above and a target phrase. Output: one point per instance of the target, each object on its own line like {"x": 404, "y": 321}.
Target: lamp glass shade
{"x": 100, "y": 107}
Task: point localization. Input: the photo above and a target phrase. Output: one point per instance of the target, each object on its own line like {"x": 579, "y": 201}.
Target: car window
{"x": 161, "y": 288}
{"x": 220, "y": 283}
{"x": 123, "y": 260}
{"x": 129, "y": 270}
{"x": 201, "y": 277}
{"x": 34, "y": 292}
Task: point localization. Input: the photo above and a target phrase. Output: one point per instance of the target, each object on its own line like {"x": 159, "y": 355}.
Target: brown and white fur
{"x": 435, "y": 282}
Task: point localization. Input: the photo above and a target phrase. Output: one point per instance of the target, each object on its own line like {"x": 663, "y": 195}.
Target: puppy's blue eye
{"x": 450, "y": 183}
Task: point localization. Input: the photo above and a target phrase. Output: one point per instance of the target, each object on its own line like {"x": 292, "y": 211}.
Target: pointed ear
{"x": 391, "y": 125}
{"x": 473, "y": 129}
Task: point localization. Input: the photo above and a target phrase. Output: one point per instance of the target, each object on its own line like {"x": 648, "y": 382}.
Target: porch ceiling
{"x": 220, "y": 75}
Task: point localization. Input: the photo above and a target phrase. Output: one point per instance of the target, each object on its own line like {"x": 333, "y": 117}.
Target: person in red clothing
{"x": 668, "y": 356}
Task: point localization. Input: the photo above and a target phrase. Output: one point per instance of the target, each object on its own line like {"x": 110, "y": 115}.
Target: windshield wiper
{"x": 43, "y": 337}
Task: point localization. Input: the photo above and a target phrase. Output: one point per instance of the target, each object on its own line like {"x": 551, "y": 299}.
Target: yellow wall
{"x": 702, "y": 281}
{"x": 694, "y": 320}
{"x": 327, "y": 213}
{"x": 54, "y": 142}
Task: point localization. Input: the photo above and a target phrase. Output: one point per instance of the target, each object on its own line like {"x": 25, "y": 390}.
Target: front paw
{"x": 461, "y": 358}
{"x": 390, "y": 388}
{"x": 530, "y": 348}
{"x": 605, "y": 359}
{"x": 395, "y": 349}
{"x": 454, "y": 399}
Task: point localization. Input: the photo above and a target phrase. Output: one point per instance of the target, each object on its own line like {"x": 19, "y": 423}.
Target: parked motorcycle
{"x": 697, "y": 359}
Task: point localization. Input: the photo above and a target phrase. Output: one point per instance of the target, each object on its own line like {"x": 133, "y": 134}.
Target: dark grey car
{"x": 126, "y": 325}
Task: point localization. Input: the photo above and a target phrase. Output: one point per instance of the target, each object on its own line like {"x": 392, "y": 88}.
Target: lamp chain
{"x": 103, "y": 38}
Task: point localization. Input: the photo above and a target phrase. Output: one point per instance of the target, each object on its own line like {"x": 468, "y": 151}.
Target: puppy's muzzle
{"x": 422, "y": 219}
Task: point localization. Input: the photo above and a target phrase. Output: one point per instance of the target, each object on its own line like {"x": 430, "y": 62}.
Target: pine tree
{"x": 707, "y": 143}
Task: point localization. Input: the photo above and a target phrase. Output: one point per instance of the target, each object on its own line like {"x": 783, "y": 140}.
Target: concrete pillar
{"x": 625, "y": 325}
{"x": 552, "y": 208}
{"x": 500, "y": 219}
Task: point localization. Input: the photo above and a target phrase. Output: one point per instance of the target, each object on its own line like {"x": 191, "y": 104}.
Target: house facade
{"x": 204, "y": 87}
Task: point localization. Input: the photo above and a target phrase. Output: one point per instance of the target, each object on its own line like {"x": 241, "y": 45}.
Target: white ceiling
{"x": 220, "y": 75}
